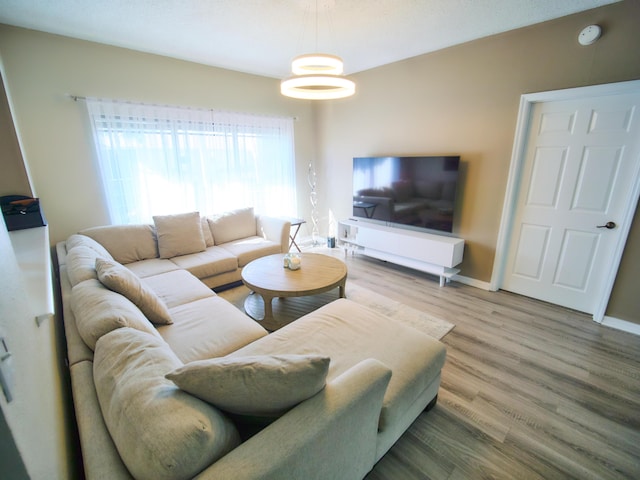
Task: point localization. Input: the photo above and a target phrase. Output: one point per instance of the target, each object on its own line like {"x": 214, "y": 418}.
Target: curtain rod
{"x": 75, "y": 98}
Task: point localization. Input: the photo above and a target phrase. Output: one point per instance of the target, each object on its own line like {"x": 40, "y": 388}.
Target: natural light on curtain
{"x": 158, "y": 160}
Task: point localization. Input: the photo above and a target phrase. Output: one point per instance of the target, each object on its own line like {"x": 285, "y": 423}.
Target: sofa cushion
{"x": 265, "y": 385}
{"x": 250, "y": 248}
{"x": 213, "y": 261}
{"x": 334, "y": 329}
{"x": 122, "y": 280}
{"x": 126, "y": 243}
{"x": 77, "y": 240}
{"x": 232, "y": 225}
{"x": 179, "y": 234}
{"x": 177, "y": 288}
{"x": 207, "y": 328}
{"x": 152, "y": 266}
{"x": 160, "y": 431}
{"x": 99, "y": 310}
{"x": 206, "y": 232}
{"x": 81, "y": 264}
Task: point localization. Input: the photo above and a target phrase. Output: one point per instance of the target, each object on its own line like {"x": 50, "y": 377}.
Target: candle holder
{"x": 292, "y": 261}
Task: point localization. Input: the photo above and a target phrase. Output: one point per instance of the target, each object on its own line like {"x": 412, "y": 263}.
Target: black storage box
{"x": 21, "y": 212}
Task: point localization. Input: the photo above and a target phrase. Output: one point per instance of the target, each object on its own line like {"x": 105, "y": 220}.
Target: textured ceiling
{"x": 262, "y": 36}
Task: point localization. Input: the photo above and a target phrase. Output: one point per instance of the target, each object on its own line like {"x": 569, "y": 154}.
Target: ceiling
{"x": 262, "y": 36}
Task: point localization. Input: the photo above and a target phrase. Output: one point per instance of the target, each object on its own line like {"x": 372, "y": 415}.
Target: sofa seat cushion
{"x": 177, "y": 287}
{"x": 349, "y": 333}
{"x": 126, "y": 243}
{"x": 212, "y": 261}
{"x": 207, "y": 328}
{"x": 152, "y": 266}
{"x": 160, "y": 431}
{"x": 232, "y": 225}
{"x": 262, "y": 385}
{"x": 179, "y": 234}
{"x": 98, "y": 311}
{"x": 250, "y": 248}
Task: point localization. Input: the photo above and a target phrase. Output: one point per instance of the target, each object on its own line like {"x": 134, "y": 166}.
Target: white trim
{"x": 619, "y": 324}
{"x": 472, "y": 282}
{"x": 511, "y": 194}
{"x": 515, "y": 172}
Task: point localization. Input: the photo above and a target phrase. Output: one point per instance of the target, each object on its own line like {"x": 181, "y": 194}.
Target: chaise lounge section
{"x": 149, "y": 343}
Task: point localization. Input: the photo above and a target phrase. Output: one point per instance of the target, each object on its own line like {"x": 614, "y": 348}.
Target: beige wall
{"x": 14, "y": 179}
{"x": 464, "y": 100}
{"x": 42, "y": 69}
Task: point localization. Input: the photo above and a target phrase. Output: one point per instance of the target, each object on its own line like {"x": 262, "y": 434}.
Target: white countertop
{"x": 32, "y": 251}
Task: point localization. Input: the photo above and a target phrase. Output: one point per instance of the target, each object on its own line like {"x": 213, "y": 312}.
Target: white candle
{"x": 294, "y": 263}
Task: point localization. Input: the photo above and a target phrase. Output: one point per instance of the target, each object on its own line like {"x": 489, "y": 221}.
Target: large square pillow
{"x": 233, "y": 225}
{"x": 261, "y": 385}
{"x": 120, "y": 279}
{"x": 179, "y": 234}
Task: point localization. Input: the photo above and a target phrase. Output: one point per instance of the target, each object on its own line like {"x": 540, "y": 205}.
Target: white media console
{"x": 422, "y": 251}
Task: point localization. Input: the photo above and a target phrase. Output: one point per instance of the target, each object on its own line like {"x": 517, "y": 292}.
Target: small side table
{"x": 295, "y": 222}
{"x": 367, "y": 207}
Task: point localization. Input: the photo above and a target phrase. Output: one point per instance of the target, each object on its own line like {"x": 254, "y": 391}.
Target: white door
{"x": 577, "y": 181}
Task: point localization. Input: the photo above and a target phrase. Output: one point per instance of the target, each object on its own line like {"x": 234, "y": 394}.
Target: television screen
{"x": 414, "y": 191}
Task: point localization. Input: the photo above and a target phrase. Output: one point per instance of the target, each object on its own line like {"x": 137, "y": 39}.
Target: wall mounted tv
{"x": 413, "y": 191}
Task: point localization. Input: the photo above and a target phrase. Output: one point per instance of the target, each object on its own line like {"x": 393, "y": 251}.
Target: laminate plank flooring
{"x": 529, "y": 390}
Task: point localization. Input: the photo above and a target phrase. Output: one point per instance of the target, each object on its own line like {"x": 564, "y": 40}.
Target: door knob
{"x": 608, "y": 225}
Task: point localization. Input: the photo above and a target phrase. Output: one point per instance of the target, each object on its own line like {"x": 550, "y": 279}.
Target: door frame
{"x": 518, "y": 158}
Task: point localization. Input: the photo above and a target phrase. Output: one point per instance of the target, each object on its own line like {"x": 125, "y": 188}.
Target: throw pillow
{"x": 160, "y": 431}
{"x": 98, "y": 311}
{"x": 120, "y": 279}
{"x": 254, "y": 385}
{"x": 233, "y": 225}
{"x": 179, "y": 234}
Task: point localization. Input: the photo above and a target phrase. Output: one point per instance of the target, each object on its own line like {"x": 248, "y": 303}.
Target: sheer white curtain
{"x": 157, "y": 160}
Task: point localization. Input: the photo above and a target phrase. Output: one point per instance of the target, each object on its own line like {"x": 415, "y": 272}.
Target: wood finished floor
{"x": 529, "y": 390}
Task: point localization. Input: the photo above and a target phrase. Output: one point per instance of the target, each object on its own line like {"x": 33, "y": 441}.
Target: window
{"x": 157, "y": 160}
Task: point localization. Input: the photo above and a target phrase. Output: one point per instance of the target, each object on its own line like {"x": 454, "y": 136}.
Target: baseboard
{"x": 623, "y": 325}
{"x": 472, "y": 282}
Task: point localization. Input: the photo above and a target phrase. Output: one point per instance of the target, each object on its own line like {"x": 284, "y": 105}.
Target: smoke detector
{"x": 589, "y": 35}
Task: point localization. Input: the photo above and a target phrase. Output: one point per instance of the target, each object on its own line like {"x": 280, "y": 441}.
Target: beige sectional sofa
{"x": 170, "y": 381}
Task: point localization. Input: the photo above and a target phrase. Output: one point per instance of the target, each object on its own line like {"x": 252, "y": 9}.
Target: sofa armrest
{"x": 274, "y": 229}
{"x": 331, "y": 435}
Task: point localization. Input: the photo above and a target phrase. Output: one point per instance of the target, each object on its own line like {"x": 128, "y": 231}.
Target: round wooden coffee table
{"x": 268, "y": 278}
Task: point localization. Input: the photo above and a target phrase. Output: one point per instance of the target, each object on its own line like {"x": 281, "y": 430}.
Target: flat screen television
{"x": 416, "y": 191}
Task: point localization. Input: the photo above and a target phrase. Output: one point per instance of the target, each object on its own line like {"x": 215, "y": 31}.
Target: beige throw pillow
{"x": 254, "y": 385}
{"x": 120, "y": 279}
{"x": 233, "y": 225}
{"x": 98, "y": 311}
{"x": 160, "y": 431}
{"x": 179, "y": 234}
